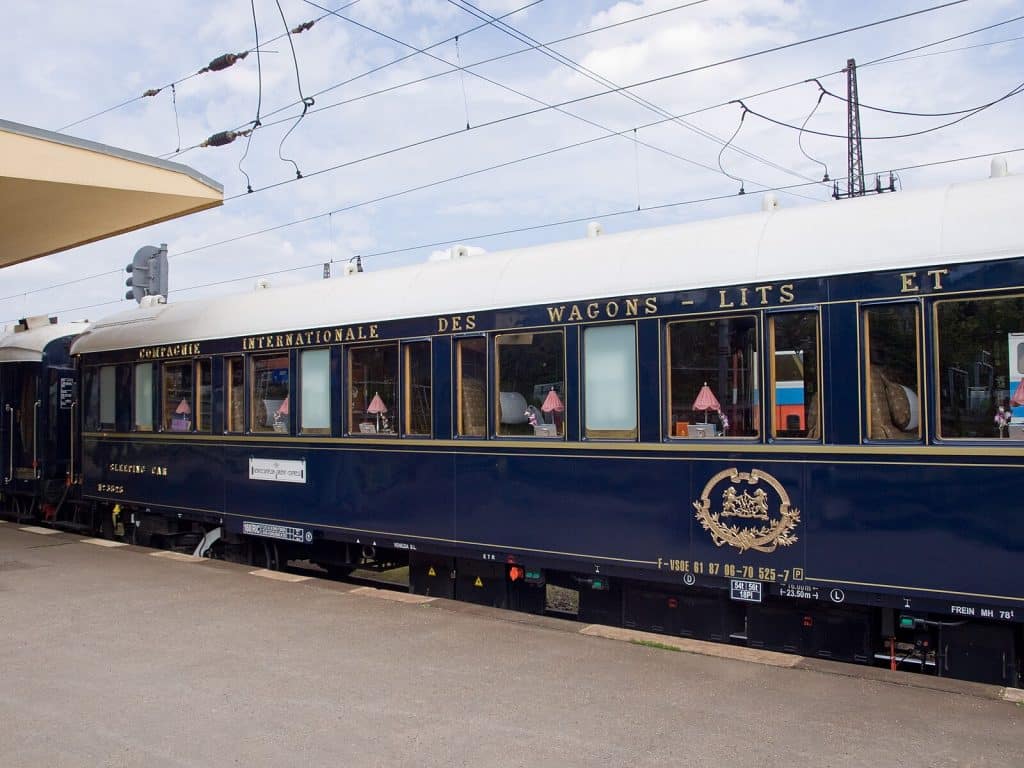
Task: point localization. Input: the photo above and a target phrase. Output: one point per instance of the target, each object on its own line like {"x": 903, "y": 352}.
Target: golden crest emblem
{"x": 746, "y": 520}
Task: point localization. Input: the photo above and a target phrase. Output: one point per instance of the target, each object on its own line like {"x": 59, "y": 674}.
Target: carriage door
{"x": 22, "y": 412}
{"x": 56, "y": 454}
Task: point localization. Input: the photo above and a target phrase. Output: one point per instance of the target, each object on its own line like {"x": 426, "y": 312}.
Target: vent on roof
{"x": 263, "y": 284}
{"x": 1000, "y": 167}
{"x": 152, "y": 301}
{"x": 770, "y": 202}
{"x": 594, "y": 229}
{"x": 457, "y": 252}
{"x": 38, "y": 321}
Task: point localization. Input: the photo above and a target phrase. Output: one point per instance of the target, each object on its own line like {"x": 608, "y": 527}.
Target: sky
{"x": 67, "y": 60}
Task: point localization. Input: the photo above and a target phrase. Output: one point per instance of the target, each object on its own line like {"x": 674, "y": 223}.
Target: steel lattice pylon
{"x": 855, "y": 155}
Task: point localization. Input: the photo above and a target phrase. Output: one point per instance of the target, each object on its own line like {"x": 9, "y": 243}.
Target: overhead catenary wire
{"x": 259, "y": 97}
{"x": 970, "y": 113}
{"x": 307, "y": 101}
{"x": 528, "y": 228}
{"x": 588, "y": 97}
{"x": 590, "y": 74}
{"x": 527, "y": 96}
{"x": 211, "y": 66}
{"x": 361, "y": 75}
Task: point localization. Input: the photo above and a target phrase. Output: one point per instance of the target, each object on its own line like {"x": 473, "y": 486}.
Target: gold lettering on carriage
{"x": 746, "y": 520}
{"x": 603, "y": 310}
{"x": 758, "y": 296}
{"x": 311, "y": 338}
{"x": 169, "y": 350}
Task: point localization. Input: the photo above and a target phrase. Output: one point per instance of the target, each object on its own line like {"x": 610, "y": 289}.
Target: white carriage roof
{"x": 27, "y": 346}
{"x": 956, "y": 223}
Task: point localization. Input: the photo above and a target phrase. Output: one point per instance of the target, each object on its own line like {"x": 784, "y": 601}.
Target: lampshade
{"x": 1018, "y": 394}
{"x": 183, "y": 408}
{"x": 552, "y": 403}
{"x": 376, "y": 405}
{"x": 706, "y": 400}
{"x": 283, "y": 408}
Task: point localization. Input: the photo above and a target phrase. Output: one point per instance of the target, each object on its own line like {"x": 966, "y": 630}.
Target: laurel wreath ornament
{"x": 766, "y": 538}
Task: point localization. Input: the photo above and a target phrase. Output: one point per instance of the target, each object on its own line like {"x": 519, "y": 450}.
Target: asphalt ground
{"x": 116, "y": 656}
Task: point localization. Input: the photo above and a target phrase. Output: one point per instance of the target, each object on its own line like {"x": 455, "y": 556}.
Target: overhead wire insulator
{"x": 223, "y": 62}
{"x": 152, "y": 92}
{"x": 304, "y": 26}
{"x": 224, "y": 137}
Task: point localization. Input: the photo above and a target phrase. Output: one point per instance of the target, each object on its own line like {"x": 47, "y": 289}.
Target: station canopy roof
{"x": 58, "y": 192}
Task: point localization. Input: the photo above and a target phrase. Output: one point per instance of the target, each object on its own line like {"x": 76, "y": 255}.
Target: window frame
{"x": 135, "y": 396}
{"x": 621, "y": 435}
{"x": 769, "y": 325}
{"x": 101, "y": 425}
{"x": 250, "y": 381}
{"x": 864, "y": 363}
{"x": 165, "y": 427}
{"x": 229, "y": 360}
{"x": 196, "y": 409}
{"x": 406, "y": 387}
{"x": 495, "y": 390}
{"x": 936, "y": 384}
{"x": 666, "y": 409}
{"x": 457, "y": 417}
{"x": 314, "y": 431}
{"x": 347, "y": 351}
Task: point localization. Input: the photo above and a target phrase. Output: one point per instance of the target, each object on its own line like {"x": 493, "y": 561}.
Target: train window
{"x": 892, "y": 363}
{"x": 609, "y": 381}
{"x": 713, "y": 387}
{"x": 91, "y": 398}
{"x": 795, "y": 381}
{"x": 530, "y": 373}
{"x": 980, "y": 368}
{"x": 108, "y": 397}
{"x": 471, "y": 386}
{"x": 373, "y": 389}
{"x": 235, "y": 392}
{"x": 315, "y": 381}
{"x": 417, "y": 382}
{"x": 176, "y": 397}
{"x": 204, "y": 395}
{"x": 269, "y": 391}
{"x": 143, "y": 418}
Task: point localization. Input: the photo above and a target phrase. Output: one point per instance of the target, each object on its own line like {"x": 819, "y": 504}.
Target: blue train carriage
{"x": 779, "y": 429}
{"x": 38, "y": 434}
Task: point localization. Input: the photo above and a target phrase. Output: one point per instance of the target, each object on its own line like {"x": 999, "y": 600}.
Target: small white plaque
{"x": 278, "y": 470}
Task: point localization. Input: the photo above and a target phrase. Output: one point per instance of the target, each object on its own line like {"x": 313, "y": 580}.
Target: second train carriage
{"x": 779, "y": 429}
{"x": 38, "y": 425}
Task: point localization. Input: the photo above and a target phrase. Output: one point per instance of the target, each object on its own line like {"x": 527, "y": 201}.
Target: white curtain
{"x": 316, "y": 385}
{"x": 609, "y": 370}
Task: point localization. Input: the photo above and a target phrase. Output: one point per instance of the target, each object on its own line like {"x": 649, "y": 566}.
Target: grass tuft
{"x": 655, "y": 644}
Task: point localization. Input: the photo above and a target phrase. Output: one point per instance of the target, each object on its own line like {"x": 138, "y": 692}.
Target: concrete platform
{"x": 110, "y": 656}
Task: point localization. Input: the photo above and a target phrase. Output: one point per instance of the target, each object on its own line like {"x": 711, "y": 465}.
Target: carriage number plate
{"x": 271, "y": 531}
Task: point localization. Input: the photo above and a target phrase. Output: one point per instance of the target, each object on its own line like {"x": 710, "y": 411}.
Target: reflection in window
{"x": 795, "y": 395}
{"x": 471, "y": 386}
{"x": 981, "y": 367}
{"x": 177, "y": 397}
{"x": 609, "y": 381}
{"x": 373, "y": 390}
{"x": 713, "y": 378}
{"x": 235, "y": 411}
{"x": 893, "y": 369}
{"x": 417, "y": 388}
{"x": 108, "y": 397}
{"x": 531, "y": 384}
{"x": 204, "y": 381}
{"x": 315, "y": 377}
{"x": 143, "y": 419}
{"x": 271, "y": 411}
